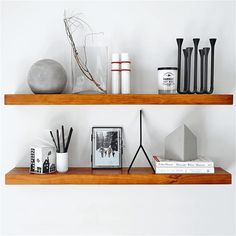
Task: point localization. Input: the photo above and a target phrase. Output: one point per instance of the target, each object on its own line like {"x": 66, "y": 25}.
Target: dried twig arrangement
{"x": 73, "y": 24}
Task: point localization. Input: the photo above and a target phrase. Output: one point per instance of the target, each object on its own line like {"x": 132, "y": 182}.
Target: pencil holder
{"x": 62, "y": 162}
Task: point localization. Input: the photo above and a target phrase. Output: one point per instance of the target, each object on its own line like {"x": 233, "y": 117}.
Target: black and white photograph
{"x": 106, "y": 147}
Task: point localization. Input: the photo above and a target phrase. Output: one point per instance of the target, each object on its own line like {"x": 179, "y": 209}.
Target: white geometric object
{"x": 181, "y": 145}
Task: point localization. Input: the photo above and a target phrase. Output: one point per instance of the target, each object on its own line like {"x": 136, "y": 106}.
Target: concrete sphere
{"x": 47, "y": 76}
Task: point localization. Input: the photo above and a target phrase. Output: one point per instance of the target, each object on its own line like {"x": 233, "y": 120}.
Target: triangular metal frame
{"x": 141, "y": 144}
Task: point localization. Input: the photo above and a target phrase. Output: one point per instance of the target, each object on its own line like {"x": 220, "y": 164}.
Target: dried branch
{"x": 76, "y": 22}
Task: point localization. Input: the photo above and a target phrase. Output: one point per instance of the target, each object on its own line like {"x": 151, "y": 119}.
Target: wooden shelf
{"x": 119, "y": 99}
{"x": 21, "y": 175}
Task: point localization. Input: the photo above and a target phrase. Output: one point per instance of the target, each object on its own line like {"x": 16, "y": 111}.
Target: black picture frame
{"x": 106, "y": 147}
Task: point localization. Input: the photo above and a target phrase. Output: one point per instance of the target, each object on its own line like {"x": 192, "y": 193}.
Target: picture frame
{"x": 107, "y": 147}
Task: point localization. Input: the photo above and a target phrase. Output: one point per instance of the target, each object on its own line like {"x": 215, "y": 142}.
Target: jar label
{"x": 169, "y": 79}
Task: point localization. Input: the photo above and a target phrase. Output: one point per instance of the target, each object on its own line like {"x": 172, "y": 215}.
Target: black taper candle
{"x": 189, "y": 55}
{"x": 196, "y": 42}
{"x": 212, "y": 42}
{"x": 206, "y": 52}
{"x": 201, "y": 91}
{"x": 179, "y": 43}
{"x": 185, "y": 83}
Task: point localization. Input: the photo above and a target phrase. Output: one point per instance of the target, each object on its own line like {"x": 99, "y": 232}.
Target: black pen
{"x": 58, "y": 141}
{"x": 63, "y": 139}
{"x": 53, "y": 140}
{"x": 68, "y": 140}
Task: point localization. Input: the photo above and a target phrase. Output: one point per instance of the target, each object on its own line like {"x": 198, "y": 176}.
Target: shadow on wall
{"x": 143, "y": 76}
{"x": 157, "y": 124}
{"x": 224, "y": 72}
{"x": 210, "y": 141}
{"x": 41, "y": 136}
{"x": 51, "y": 51}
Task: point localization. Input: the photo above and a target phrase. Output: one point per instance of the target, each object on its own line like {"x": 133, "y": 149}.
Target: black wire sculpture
{"x": 141, "y": 144}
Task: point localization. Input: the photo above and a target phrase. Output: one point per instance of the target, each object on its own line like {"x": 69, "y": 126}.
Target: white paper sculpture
{"x": 181, "y": 145}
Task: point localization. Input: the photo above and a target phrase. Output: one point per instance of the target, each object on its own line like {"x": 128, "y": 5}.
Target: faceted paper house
{"x": 181, "y": 145}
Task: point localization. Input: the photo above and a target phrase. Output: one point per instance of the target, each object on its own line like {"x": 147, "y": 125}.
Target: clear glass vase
{"x": 90, "y": 67}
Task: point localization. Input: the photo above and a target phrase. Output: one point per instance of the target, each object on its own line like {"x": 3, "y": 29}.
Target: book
{"x": 199, "y": 162}
{"x": 185, "y": 170}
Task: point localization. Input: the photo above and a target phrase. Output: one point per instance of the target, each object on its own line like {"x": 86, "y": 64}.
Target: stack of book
{"x": 198, "y": 166}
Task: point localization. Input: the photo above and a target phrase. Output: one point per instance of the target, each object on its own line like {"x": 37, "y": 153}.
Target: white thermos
{"x": 125, "y": 73}
{"x": 115, "y": 73}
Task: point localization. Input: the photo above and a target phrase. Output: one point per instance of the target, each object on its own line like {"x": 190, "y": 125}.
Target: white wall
{"x": 147, "y": 30}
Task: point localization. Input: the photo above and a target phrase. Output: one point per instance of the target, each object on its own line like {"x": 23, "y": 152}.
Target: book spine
{"x": 172, "y": 170}
{"x": 184, "y": 164}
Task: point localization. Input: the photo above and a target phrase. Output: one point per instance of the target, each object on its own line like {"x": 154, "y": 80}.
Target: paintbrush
{"x": 58, "y": 141}
{"x": 63, "y": 139}
{"x": 54, "y": 140}
{"x": 68, "y": 140}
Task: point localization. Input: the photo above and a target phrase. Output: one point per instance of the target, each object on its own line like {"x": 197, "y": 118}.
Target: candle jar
{"x": 167, "y": 80}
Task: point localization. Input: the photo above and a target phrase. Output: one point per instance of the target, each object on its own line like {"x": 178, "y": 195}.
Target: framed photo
{"x": 107, "y": 147}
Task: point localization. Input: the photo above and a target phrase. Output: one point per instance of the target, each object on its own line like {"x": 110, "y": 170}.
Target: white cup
{"x": 62, "y": 162}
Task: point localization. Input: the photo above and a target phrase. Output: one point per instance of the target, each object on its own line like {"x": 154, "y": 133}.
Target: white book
{"x": 187, "y": 170}
{"x": 199, "y": 162}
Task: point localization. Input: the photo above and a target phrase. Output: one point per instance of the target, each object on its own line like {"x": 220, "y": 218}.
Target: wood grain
{"x": 118, "y": 99}
{"x": 21, "y": 175}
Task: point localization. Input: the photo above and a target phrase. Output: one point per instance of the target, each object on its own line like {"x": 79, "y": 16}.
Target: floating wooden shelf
{"x": 21, "y": 175}
{"x": 119, "y": 99}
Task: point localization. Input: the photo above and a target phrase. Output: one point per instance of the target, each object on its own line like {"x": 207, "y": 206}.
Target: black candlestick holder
{"x": 141, "y": 144}
{"x": 204, "y": 79}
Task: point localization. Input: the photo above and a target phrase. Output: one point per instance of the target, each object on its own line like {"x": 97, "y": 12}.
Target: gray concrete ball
{"x": 47, "y": 76}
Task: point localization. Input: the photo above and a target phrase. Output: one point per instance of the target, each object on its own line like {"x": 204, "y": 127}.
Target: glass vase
{"x": 90, "y": 68}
